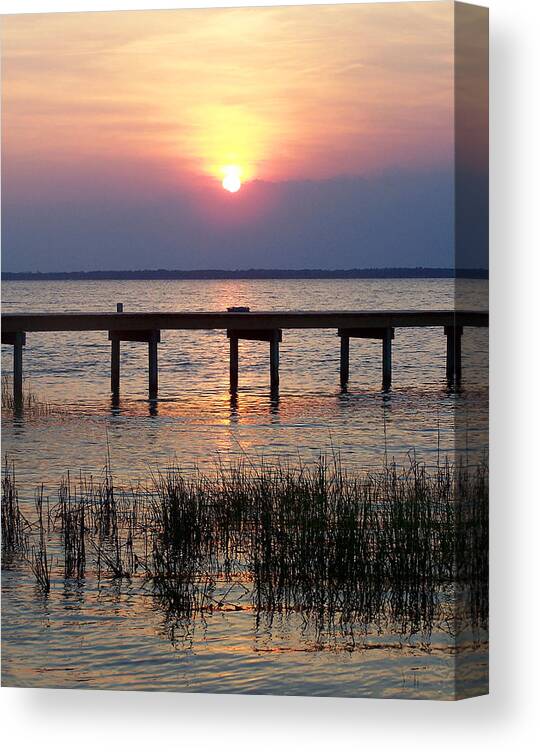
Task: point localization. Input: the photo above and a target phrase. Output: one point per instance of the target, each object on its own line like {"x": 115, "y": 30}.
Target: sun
{"x": 232, "y": 182}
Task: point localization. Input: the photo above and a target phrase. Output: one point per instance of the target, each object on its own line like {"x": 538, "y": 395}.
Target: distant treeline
{"x": 419, "y": 272}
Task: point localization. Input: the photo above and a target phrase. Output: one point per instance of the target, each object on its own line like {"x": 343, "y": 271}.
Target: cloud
{"x": 308, "y": 91}
{"x": 399, "y": 218}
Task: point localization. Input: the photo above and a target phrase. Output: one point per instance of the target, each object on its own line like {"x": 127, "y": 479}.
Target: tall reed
{"x": 14, "y": 524}
{"x": 39, "y": 561}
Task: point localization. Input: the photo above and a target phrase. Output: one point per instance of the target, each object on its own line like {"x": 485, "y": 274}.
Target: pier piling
{"x": 18, "y": 340}
{"x": 233, "y": 362}
{"x": 453, "y": 353}
{"x": 344, "y": 360}
{"x": 115, "y": 368}
{"x": 385, "y": 334}
{"x": 152, "y": 337}
{"x": 273, "y": 336}
{"x": 387, "y": 338}
{"x": 153, "y": 365}
{"x": 274, "y": 361}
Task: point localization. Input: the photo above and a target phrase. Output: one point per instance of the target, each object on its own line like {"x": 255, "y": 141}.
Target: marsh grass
{"x": 71, "y": 514}
{"x": 31, "y": 404}
{"x": 402, "y": 546}
{"x": 314, "y": 540}
{"x": 15, "y": 526}
{"x": 40, "y": 563}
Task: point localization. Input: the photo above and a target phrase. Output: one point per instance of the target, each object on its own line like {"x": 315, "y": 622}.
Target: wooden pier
{"x": 241, "y": 324}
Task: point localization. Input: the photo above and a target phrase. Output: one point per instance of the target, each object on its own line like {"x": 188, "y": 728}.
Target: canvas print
{"x": 244, "y": 350}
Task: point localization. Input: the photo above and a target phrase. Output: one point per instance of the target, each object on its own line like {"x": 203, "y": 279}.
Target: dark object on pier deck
{"x": 240, "y": 323}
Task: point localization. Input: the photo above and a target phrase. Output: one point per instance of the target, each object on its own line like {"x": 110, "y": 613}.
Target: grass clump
{"x": 14, "y": 524}
{"x": 31, "y": 405}
{"x": 40, "y": 564}
{"x": 317, "y": 541}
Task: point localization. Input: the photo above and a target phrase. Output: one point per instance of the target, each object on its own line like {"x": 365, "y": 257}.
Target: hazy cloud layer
{"x": 396, "y": 219}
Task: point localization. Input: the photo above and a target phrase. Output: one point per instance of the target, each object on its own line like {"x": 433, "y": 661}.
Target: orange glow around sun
{"x": 232, "y": 181}
{"x": 224, "y": 98}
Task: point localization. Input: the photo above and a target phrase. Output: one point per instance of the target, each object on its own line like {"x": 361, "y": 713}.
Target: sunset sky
{"x": 337, "y": 121}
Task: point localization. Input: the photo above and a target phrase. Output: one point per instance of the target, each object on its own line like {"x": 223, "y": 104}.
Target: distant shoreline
{"x": 217, "y": 274}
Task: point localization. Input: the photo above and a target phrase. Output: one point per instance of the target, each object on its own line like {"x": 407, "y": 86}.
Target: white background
{"x": 508, "y": 718}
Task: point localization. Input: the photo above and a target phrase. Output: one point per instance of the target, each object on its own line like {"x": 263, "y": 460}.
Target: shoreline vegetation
{"x": 401, "y": 550}
{"x": 31, "y": 406}
{"x": 225, "y": 274}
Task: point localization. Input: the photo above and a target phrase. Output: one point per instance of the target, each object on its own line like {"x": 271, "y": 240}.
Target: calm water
{"x": 107, "y": 636}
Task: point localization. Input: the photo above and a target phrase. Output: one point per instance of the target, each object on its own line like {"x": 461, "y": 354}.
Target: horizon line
{"x": 417, "y": 272}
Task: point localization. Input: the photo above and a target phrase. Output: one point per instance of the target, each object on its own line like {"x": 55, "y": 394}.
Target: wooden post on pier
{"x": 344, "y": 360}
{"x": 274, "y": 361}
{"x": 153, "y": 365}
{"x": 233, "y": 362}
{"x": 152, "y": 336}
{"x": 273, "y": 336}
{"x": 18, "y": 340}
{"x": 115, "y": 362}
{"x": 115, "y": 368}
{"x": 387, "y": 358}
{"x": 453, "y": 353}
{"x": 385, "y": 334}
